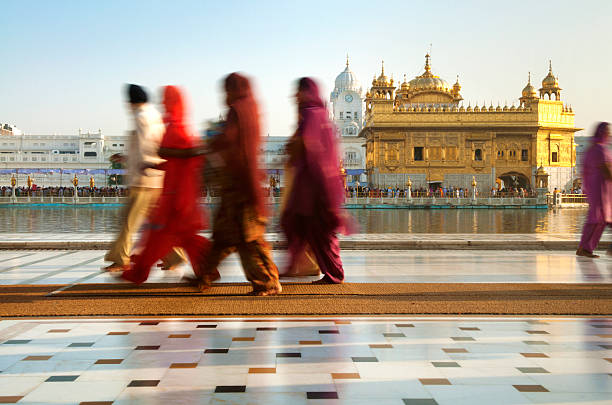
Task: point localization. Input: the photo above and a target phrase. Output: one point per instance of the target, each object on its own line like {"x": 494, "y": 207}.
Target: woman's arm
{"x": 180, "y": 153}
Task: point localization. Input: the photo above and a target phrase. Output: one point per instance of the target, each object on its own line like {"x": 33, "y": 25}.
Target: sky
{"x": 65, "y": 63}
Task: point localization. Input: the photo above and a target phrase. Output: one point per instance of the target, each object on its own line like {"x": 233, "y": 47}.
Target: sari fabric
{"x": 312, "y": 215}
{"x": 597, "y": 188}
{"x": 240, "y": 222}
{"x": 178, "y": 217}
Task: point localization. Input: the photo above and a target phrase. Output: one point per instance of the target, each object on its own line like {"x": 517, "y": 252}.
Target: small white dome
{"x": 347, "y": 81}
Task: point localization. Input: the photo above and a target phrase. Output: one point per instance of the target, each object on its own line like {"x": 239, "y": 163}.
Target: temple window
{"x": 418, "y": 153}
{"x": 524, "y": 155}
{"x": 478, "y": 154}
{"x": 341, "y": 115}
{"x": 555, "y": 157}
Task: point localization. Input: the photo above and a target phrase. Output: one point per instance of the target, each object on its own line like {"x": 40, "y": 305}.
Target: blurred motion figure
{"x": 312, "y": 214}
{"x": 240, "y": 221}
{"x": 177, "y": 218}
{"x": 145, "y": 185}
{"x": 597, "y": 184}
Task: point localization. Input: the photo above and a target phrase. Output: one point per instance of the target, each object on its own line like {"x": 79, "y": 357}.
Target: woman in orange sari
{"x": 240, "y": 222}
{"x": 178, "y": 217}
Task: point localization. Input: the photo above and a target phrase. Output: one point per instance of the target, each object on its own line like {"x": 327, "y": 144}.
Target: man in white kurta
{"x": 145, "y": 184}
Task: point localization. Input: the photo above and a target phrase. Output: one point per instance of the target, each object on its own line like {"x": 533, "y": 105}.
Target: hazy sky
{"x": 64, "y": 63}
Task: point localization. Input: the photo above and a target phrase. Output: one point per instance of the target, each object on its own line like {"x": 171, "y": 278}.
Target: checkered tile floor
{"x": 307, "y": 361}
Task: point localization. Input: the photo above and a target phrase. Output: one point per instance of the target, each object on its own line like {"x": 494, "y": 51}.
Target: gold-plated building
{"x": 420, "y": 131}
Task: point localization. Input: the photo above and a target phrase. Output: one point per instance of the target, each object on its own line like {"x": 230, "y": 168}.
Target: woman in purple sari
{"x": 312, "y": 214}
{"x": 597, "y": 184}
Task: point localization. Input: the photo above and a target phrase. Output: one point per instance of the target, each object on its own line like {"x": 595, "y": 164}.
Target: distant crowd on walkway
{"x": 35, "y": 191}
{"x": 441, "y": 192}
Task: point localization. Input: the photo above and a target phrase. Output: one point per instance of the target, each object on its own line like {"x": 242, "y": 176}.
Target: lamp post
{"x": 75, "y": 183}
{"x": 357, "y": 189}
{"x": 13, "y": 184}
{"x": 409, "y": 189}
{"x": 30, "y": 181}
{"x": 474, "y": 183}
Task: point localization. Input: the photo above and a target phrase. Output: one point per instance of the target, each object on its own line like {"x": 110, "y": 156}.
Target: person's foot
{"x": 325, "y": 280}
{"x": 265, "y": 293}
{"x": 585, "y": 253}
{"x": 205, "y": 282}
{"x": 166, "y": 266}
{"x": 116, "y": 268}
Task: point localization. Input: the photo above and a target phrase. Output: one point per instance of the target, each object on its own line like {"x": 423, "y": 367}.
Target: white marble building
{"x": 85, "y": 150}
{"x": 347, "y": 115}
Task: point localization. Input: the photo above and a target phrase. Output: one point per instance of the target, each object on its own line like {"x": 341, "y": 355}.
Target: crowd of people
{"x": 441, "y": 192}
{"x": 168, "y": 168}
{"x": 35, "y": 191}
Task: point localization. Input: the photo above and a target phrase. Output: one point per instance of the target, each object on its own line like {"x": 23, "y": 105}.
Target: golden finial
{"x": 457, "y": 80}
{"x": 528, "y": 77}
{"x": 405, "y": 80}
{"x": 550, "y": 66}
{"x": 347, "y": 60}
{"x": 427, "y": 67}
{"x": 382, "y": 71}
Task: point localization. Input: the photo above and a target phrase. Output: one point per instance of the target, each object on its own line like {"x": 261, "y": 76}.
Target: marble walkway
{"x": 371, "y": 266}
{"x": 384, "y": 241}
{"x": 358, "y": 361}
{"x": 385, "y": 360}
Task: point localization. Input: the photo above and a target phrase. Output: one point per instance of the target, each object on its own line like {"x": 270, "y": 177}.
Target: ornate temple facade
{"x": 419, "y": 129}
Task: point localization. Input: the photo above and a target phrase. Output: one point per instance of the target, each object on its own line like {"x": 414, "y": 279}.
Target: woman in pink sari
{"x": 597, "y": 184}
{"x": 312, "y": 215}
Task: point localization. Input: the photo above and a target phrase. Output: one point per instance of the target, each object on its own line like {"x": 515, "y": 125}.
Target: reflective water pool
{"x": 57, "y": 218}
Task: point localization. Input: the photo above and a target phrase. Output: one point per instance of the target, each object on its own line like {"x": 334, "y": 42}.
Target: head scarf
{"x": 177, "y": 135}
{"x": 136, "y": 94}
{"x": 310, "y": 93}
{"x": 599, "y": 136}
{"x": 237, "y": 87}
{"x": 243, "y": 137}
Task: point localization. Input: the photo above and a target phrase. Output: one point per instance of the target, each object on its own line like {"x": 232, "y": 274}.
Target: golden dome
{"x": 541, "y": 171}
{"x": 382, "y": 79}
{"x": 405, "y": 85}
{"x": 550, "y": 81}
{"x": 529, "y": 90}
{"x": 428, "y": 81}
{"x": 457, "y": 86}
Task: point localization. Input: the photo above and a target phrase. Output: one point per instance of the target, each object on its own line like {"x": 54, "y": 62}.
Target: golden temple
{"x": 420, "y": 131}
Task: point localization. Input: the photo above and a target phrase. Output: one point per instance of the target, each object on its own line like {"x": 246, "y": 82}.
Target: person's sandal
{"x": 585, "y": 253}
{"x": 116, "y": 268}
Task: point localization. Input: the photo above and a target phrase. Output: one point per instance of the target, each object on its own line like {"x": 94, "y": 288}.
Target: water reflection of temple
{"x": 421, "y": 129}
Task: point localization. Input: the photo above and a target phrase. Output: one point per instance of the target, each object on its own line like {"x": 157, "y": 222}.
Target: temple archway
{"x": 515, "y": 180}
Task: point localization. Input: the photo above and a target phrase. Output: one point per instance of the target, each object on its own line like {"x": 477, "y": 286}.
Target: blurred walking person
{"x": 241, "y": 219}
{"x": 312, "y": 214}
{"x": 597, "y": 184}
{"x": 145, "y": 186}
{"x": 177, "y": 218}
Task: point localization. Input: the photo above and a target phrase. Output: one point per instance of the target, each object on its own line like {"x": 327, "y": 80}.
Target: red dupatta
{"x": 182, "y": 180}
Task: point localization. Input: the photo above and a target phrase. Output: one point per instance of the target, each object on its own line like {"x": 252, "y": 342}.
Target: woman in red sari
{"x": 312, "y": 216}
{"x": 178, "y": 218}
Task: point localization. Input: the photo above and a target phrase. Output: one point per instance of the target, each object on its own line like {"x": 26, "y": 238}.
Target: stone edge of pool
{"x": 459, "y": 244}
